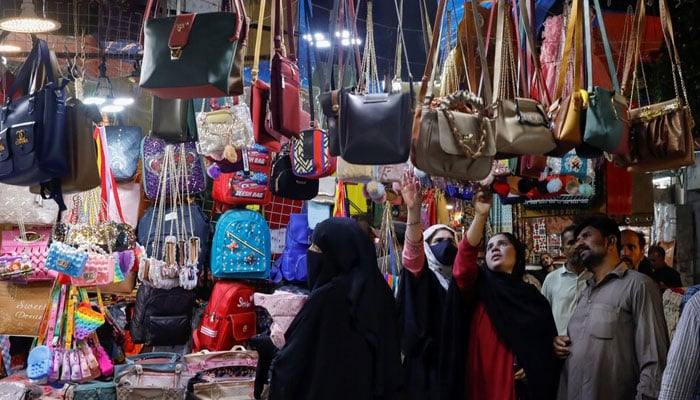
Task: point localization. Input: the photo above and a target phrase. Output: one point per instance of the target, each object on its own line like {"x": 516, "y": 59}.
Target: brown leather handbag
{"x": 661, "y": 133}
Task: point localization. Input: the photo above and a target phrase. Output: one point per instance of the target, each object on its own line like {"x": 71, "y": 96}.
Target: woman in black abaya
{"x": 344, "y": 343}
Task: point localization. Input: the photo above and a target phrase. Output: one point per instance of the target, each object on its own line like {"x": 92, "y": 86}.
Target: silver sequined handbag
{"x": 17, "y": 203}
{"x": 229, "y": 126}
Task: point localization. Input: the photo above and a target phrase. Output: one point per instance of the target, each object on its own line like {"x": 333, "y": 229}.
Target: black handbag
{"x": 173, "y": 120}
{"x": 83, "y": 173}
{"x": 33, "y": 142}
{"x": 375, "y": 128}
{"x": 284, "y": 183}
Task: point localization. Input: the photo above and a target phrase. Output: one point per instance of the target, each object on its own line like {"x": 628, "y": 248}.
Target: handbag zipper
{"x": 234, "y": 236}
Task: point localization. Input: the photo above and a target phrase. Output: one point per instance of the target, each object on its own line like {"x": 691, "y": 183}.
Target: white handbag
{"x": 17, "y": 203}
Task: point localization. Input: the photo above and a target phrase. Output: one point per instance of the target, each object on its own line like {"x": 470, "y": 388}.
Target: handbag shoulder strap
{"x": 309, "y": 74}
{"x": 289, "y": 28}
{"x": 258, "y": 41}
{"x": 606, "y": 46}
{"x": 573, "y": 35}
{"x": 669, "y": 38}
{"x": 38, "y": 58}
{"x": 428, "y": 71}
{"x": 633, "y": 44}
{"x": 532, "y": 49}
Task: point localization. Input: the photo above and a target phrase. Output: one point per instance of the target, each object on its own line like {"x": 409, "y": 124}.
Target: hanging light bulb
{"x": 28, "y": 21}
{"x": 103, "y": 95}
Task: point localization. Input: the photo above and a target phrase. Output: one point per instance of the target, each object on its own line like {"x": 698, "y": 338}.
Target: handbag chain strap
{"x": 369, "y": 57}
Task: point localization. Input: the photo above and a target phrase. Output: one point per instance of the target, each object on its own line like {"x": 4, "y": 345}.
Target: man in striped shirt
{"x": 681, "y": 379}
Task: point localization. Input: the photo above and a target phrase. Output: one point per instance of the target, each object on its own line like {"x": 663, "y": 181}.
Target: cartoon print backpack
{"x": 229, "y": 318}
{"x": 241, "y": 247}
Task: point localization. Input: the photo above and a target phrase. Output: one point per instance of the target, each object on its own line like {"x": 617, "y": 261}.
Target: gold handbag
{"x": 566, "y": 111}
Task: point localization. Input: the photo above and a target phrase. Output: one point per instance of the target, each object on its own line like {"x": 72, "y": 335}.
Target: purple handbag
{"x": 153, "y": 152}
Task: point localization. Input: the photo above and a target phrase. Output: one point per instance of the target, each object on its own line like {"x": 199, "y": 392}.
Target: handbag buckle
{"x": 175, "y": 53}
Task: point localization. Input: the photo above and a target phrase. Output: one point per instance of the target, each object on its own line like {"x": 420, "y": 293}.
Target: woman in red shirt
{"x": 496, "y": 334}
{"x": 502, "y": 327}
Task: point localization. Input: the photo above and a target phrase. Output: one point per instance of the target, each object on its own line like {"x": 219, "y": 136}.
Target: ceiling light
{"x": 103, "y": 95}
{"x": 9, "y": 48}
{"x": 112, "y": 108}
{"x": 28, "y": 21}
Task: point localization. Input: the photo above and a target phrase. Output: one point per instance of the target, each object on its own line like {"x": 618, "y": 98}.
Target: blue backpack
{"x": 297, "y": 242}
{"x": 241, "y": 246}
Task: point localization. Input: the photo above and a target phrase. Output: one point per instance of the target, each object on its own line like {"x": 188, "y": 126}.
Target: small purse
{"x": 66, "y": 259}
{"x": 32, "y": 247}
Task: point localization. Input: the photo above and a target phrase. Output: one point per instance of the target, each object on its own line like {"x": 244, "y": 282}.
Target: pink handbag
{"x": 238, "y": 356}
{"x": 36, "y": 247}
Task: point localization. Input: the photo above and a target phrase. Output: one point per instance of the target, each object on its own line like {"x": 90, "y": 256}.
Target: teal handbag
{"x": 607, "y": 121}
{"x": 93, "y": 390}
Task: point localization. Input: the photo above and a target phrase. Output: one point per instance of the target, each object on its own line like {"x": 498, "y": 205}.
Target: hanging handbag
{"x": 260, "y": 94}
{"x": 18, "y": 204}
{"x": 285, "y": 105}
{"x": 82, "y": 152}
{"x": 33, "y": 139}
{"x": 660, "y": 133}
{"x": 173, "y": 120}
{"x": 310, "y": 152}
{"x": 123, "y": 143}
{"x": 223, "y": 126}
{"x": 375, "y": 128}
{"x": 249, "y": 184}
{"x": 607, "y": 120}
{"x": 521, "y": 123}
{"x": 34, "y": 245}
{"x": 152, "y": 154}
{"x": 192, "y": 55}
{"x": 284, "y": 183}
{"x": 452, "y": 136}
{"x": 567, "y": 111}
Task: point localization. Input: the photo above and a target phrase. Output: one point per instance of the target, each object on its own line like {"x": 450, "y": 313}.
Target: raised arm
{"x": 465, "y": 269}
{"x": 413, "y": 255}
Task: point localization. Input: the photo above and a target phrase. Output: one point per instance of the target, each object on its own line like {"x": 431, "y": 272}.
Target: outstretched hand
{"x": 411, "y": 190}
{"x": 482, "y": 200}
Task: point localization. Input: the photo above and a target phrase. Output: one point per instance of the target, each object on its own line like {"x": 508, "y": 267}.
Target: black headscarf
{"x": 344, "y": 342}
{"x": 522, "y": 319}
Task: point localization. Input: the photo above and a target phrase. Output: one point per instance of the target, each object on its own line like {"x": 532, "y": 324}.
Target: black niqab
{"x": 344, "y": 342}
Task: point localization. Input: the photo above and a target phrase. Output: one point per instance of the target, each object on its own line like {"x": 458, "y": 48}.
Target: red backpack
{"x": 228, "y": 319}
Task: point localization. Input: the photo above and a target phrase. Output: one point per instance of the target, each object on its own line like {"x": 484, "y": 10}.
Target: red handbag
{"x": 249, "y": 185}
{"x": 284, "y": 80}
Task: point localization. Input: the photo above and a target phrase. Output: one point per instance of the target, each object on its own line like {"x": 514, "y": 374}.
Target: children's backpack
{"x": 241, "y": 246}
{"x": 162, "y": 316}
{"x": 229, "y": 318}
